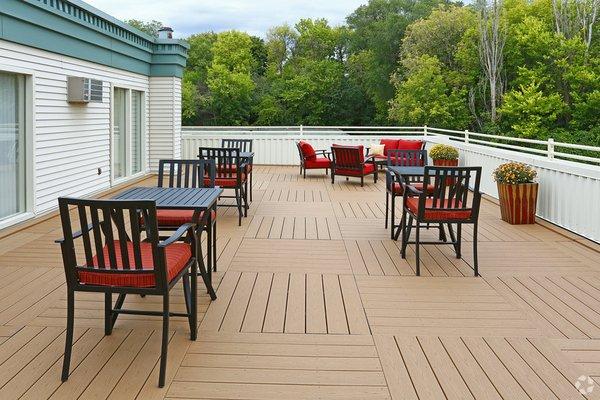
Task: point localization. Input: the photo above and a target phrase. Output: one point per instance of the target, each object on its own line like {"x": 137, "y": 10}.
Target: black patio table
{"x": 197, "y": 199}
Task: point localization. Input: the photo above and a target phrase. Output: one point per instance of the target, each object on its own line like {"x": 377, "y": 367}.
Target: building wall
{"x": 70, "y": 141}
{"x": 165, "y": 119}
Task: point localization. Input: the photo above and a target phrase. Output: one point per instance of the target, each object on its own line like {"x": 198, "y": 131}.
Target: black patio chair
{"x": 189, "y": 174}
{"x": 449, "y": 203}
{"x": 245, "y": 146}
{"x": 120, "y": 256}
{"x": 230, "y": 174}
{"x": 393, "y": 184}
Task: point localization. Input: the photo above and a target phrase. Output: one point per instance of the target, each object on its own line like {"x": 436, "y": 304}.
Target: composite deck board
{"x": 314, "y": 301}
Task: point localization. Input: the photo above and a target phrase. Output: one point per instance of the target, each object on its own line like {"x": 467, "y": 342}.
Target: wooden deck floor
{"x": 314, "y": 302}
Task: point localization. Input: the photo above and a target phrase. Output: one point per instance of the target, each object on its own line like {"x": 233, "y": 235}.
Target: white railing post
{"x": 466, "y": 136}
{"x": 425, "y": 130}
{"x": 551, "y": 148}
{"x": 301, "y": 130}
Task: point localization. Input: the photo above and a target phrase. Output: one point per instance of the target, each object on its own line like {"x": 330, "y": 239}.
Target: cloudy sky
{"x": 253, "y": 16}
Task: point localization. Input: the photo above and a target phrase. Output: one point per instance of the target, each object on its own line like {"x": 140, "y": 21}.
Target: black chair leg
{"x": 107, "y": 313}
{"x": 417, "y": 254}
{"x": 239, "y": 205}
{"x": 118, "y": 306}
{"x": 185, "y": 282}
{"x": 165, "y": 342}
{"x": 453, "y": 238}
{"x": 393, "y": 216}
{"x": 362, "y": 181}
{"x": 332, "y": 177}
{"x": 209, "y": 240}
{"x": 214, "y": 246}
{"x": 458, "y": 240}
{"x": 475, "y": 261}
{"x": 387, "y": 202}
{"x": 69, "y": 335}
{"x": 251, "y": 173}
{"x": 194, "y": 301}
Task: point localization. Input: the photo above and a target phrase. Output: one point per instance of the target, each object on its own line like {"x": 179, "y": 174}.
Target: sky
{"x": 252, "y": 16}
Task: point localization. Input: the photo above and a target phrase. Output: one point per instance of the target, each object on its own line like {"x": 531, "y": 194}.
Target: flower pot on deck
{"x": 518, "y": 202}
{"x": 446, "y": 163}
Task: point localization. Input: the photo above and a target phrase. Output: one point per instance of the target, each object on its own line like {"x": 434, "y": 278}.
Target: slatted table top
{"x": 174, "y": 198}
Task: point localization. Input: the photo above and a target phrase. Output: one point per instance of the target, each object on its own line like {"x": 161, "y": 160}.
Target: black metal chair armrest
{"x": 76, "y": 235}
{"x": 177, "y": 235}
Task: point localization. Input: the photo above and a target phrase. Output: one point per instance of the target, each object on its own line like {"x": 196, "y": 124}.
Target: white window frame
{"x": 29, "y": 133}
{"x": 128, "y": 135}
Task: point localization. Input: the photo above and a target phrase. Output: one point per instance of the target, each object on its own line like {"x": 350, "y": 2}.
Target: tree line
{"x": 525, "y": 68}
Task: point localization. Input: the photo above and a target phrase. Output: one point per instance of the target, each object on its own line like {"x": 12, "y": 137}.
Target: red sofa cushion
{"x": 319, "y": 162}
{"x": 456, "y": 214}
{"x": 307, "y": 150}
{"x": 390, "y": 144}
{"x": 367, "y": 169}
{"x": 176, "y": 218}
{"x": 404, "y": 144}
{"x": 177, "y": 256}
{"x": 398, "y": 189}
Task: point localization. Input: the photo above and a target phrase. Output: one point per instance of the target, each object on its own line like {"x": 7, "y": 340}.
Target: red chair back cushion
{"x": 390, "y": 144}
{"x": 307, "y": 150}
{"x": 404, "y": 144}
{"x": 348, "y": 156}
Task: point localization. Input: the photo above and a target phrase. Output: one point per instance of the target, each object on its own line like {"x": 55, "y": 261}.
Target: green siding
{"x": 75, "y": 29}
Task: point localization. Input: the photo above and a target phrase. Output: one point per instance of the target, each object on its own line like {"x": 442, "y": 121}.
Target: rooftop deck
{"x": 314, "y": 301}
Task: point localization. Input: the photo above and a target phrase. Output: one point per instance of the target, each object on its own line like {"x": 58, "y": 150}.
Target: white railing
{"x": 569, "y": 190}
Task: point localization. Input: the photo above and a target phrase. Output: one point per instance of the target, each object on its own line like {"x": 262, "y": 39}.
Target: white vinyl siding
{"x": 164, "y": 119}
{"x": 71, "y": 141}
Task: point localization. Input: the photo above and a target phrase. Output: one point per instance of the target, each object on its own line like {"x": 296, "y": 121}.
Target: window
{"x": 12, "y": 144}
{"x": 137, "y": 135}
{"x": 128, "y": 132}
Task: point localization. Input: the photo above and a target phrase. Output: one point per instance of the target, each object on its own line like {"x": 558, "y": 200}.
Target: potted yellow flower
{"x": 517, "y": 192}
{"x": 444, "y": 155}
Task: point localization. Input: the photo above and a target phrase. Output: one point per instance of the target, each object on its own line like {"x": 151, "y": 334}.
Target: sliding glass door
{"x": 12, "y": 144}
{"x": 137, "y": 135}
{"x": 120, "y": 133}
{"x": 128, "y": 132}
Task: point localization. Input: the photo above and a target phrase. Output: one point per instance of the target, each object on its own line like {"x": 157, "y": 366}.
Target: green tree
{"x": 230, "y": 78}
{"x": 377, "y": 31}
{"x": 529, "y": 112}
{"x": 424, "y": 98}
{"x": 151, "y": 28}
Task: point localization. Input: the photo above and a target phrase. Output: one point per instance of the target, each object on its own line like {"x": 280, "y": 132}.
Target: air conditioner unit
{"x": 84, "y": 90}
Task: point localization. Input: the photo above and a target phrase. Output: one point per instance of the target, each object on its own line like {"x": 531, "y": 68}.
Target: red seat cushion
{"x": 307, "y": 150}
{"x": 456, "y": 214}
{"x": 398, "y": 189}
{"x": 404, "y": 144}
{"x": 390, "y": 144}
{"x": 233, "y": 168}
{"x": 225, "y": 180}
{"x": 320, "y": 162}
{"x": 176, "y": 254}
{"x": 177, "y": 218}
{"x": 367, "y": 169}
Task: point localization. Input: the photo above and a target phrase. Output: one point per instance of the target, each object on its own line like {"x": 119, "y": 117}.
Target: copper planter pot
{"x": 518, "y": 203}
{"x": 445, "y": 163}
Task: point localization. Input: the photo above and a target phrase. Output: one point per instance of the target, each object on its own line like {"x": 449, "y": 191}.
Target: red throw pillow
{"x": 410, "y": 144}
{"x": 390, "y": 144}
{"x": 307, "y": 150}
